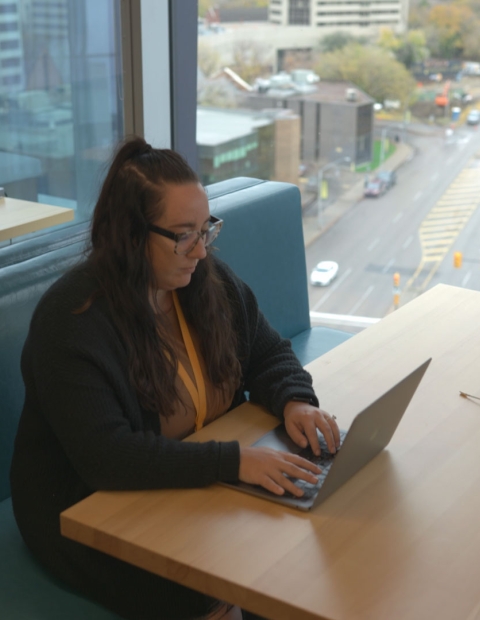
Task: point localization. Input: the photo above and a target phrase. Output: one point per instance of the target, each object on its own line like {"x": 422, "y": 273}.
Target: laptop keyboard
{"x": 324, "y": 461}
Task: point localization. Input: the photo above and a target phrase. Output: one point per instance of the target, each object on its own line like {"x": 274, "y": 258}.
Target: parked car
{"x": 389, "y": 177}
{"x": 374, "y": 188}
{"x": 473, "y": 117}
{"x": 324, "y": 273}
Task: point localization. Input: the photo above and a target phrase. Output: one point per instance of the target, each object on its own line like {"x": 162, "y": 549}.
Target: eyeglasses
{"x": 186, "y": 241}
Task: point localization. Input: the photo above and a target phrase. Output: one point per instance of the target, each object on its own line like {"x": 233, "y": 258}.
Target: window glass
{"x": 372, "y": 108}
{"x": 60, "y": 99}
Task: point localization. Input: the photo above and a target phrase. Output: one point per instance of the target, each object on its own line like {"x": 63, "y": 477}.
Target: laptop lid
{"x": 369, "y": 433}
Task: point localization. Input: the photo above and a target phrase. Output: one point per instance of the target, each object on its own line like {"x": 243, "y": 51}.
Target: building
{"x": 233, "y": 143}
{"x": 340, "y": 14}
{"x": 12, "y": 77}
{"x": 336, "y": 120}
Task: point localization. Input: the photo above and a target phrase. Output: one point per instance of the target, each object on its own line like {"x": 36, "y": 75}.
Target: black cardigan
{"x": 82, "y": 428}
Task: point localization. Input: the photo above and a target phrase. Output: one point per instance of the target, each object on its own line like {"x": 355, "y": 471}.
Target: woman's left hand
{"x": 302, "y": 421}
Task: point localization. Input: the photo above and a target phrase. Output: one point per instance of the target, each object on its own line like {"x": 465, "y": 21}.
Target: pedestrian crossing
{"x": 450, "y": 214}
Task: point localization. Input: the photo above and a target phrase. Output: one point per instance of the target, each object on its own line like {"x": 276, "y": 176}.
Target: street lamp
{"x": 323, "y": 169}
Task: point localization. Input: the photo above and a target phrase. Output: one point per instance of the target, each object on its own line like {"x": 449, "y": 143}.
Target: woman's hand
{"x": 270, "y": 468}
{"x": 302, "y": 421}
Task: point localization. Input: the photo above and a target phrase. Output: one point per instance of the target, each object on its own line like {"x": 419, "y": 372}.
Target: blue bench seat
{"x": 262, "y": 241}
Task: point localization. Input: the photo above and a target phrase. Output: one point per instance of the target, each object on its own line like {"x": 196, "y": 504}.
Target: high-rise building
{"x": 11, "y": 49}
{"x": 344, "y": 15}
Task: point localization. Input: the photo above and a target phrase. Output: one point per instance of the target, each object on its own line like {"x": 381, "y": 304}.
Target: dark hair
{"x": 130, "y": 198}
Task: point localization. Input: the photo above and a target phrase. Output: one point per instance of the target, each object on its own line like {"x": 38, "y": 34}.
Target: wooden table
{"x": 401, "y": 540}
{"x": 19, "y": 217}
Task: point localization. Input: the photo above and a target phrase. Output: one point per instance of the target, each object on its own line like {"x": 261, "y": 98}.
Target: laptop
{"x": 369, "y": 434}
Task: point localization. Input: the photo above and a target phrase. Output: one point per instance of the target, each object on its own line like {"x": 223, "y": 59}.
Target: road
{"x": 412, "y": 230}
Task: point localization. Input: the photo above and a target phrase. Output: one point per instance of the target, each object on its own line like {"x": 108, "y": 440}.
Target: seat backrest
{"x": 262, "y": 241}
{"x": 29, "y": 268}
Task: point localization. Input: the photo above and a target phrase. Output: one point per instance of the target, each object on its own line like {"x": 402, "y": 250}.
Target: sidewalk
{"x": 312, "y": 229}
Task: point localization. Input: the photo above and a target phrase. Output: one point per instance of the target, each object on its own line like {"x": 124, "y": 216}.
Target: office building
{"x": 11, "y": 48}
{"x": 233, "y": 143}
{"x": 345, "y": 15}
{"x": 336, "y": 119}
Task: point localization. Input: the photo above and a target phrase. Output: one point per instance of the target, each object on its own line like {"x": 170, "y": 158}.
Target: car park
{"x": 389, "y": 177}
{"x": 473, "y": 117}
{"x": 374, "y": 188}
{"x": 324, "y": 273}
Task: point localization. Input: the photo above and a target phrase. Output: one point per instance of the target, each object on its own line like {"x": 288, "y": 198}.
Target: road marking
{"x": 442, "y": 225}
{"x": 417, "y": 196}
{"x": 388, "y": 265}
{"x": 466, "y": 278}
{"x": 333, "y": 288}
{"x": 437, "y": 235}
{"x": 362, "y": 299}
{"x": 374, "y": 244}
{"x": 397, "y": 217}
{"x": 407, "y": 242}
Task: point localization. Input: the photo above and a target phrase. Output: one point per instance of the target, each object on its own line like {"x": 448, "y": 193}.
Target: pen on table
{"x": 465, "y": 395}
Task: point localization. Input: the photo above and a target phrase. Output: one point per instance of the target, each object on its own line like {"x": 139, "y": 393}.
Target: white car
{"x": 324, "y": 273}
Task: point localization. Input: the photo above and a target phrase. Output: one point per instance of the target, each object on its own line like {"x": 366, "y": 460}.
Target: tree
{"x": 251, "y": 60}
{"x": 379, "y": 75}
{"x": 209, "y": 59}
{"x": 448, "y": 23}
{"x": 409, "y": 48}
{"x": 338, "y": 40}
{"x": 471, "y": 49}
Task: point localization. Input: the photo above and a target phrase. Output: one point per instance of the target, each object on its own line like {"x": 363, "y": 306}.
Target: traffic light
{"x": 457, "y": 259}
{"x": 396, "y": 292}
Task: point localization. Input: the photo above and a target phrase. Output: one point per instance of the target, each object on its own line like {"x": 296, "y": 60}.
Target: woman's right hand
{"x": 270, "y": 468}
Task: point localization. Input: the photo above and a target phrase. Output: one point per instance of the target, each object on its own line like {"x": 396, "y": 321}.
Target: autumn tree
{"x": 378, "y": 74}
{"x": 452, "y": 29}
{"x": 408, "y": 48}
{"x": 447, "y": 25}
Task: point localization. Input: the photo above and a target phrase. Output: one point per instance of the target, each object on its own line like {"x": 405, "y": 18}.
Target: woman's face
{"x": 184, "y": 208}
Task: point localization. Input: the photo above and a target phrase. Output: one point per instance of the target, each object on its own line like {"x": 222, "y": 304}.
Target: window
{"x": 299, "y": 12}
{"x": 10, "y": 62}
{"x": 9, "y": 44}
{"x": 8, "y": 26}
{"x": 274, "y": 115}
{"x": 60, "y": 99}
{"x": 8, "y": 8}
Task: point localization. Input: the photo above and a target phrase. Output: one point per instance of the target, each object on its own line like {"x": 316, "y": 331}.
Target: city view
{"x": 370, "y": 108}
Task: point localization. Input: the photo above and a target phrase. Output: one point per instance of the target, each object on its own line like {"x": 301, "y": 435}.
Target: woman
{"x": 147, "y": 340}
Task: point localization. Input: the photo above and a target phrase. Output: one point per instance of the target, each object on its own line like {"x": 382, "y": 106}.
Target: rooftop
{"x": 216, "y": 126}
{"x": 325, "y": 92}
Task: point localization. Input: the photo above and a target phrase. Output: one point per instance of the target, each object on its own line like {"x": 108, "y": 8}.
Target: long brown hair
{"x": 128, "y": 202}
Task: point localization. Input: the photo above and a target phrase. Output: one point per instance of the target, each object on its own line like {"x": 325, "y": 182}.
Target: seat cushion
{"x": 313, "y": 342}
{"x": 27, "y": 592}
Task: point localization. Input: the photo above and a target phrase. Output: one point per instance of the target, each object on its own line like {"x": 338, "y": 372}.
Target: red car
{"x": 375, "y": 188}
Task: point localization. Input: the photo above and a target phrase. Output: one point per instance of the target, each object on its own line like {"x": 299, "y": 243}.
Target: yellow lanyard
{"x": 197, "y": 393}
